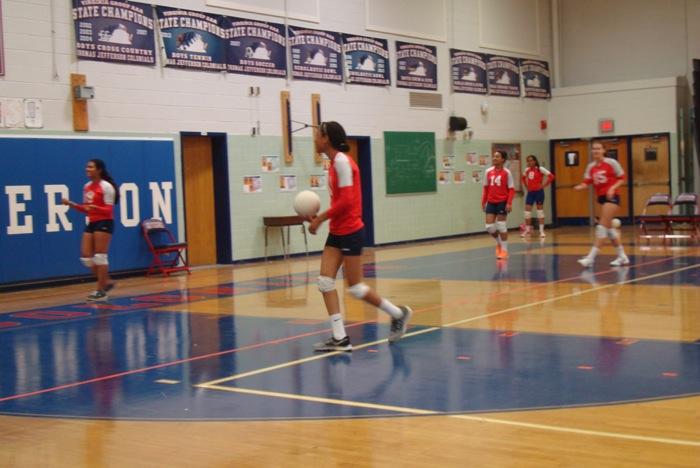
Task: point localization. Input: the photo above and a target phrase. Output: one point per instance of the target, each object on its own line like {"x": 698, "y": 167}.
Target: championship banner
{"x": 468, "y": 72}
{"x": 114, "y": 31}
{"x": 416, "y": 66}
{"x": 192, "y": 39}
{"x": 366, "y": 60}
{"x": 504, "y": 76}
{"x": 255, "y": 47}
{"x": 536, "y": 78}
{"x": 316, "y": 55}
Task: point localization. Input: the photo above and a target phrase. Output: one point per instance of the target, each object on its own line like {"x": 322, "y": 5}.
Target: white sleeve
{"x": 616, "y": 166}
{"x": 486, "y": 176}
{"x": 545, "y": 172}
{"x": 343, "y": 170}
{"x": 511, "y": 182}
{"x": 108, "y": 192}
{"x": 587, "y": 173}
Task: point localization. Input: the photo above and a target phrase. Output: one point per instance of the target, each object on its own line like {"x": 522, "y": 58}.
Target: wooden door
{"x": 353, "y": 152}
{"x": 618, "y": 149}
{"x": 200, "y": 222}
{"x": 570, "y": 160}
{"x": 650, "y": 169}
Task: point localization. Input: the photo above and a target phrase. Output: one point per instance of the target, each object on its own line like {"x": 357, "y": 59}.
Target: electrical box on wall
{"x": 84, "y": 92}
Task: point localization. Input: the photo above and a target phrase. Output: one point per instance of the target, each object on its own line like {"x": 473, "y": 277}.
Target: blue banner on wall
{"x": 504, "y": 76}
{"x": 366, "y": 60}
{"x": 114, "y": 31}
{"x": 416, "y": 66}
{"x": 468, "y": 72}
{"x": 40, "y": 237}
{"x": 256, "y": 47}
{"x": 192, "y": 39}
{"x": 536, "y": 78}
{"x": 316, "y": 55}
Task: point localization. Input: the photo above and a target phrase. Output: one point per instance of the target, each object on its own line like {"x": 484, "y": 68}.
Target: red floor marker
{"x": 372, "y": 351}
{"x": 670, "y": 374}
{"x": 585, "y": 367}
{"x": 627, "y": 341}
{"x": 464, "y": 358}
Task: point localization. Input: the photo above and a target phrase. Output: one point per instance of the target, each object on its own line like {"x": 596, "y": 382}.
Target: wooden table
{"x": 282, "y": 222}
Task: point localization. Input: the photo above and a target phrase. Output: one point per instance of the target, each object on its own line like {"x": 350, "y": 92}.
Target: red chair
{"x": 685, "y": 215}
{"x": 168, "y": 253}
{"x": 656, "y": 222}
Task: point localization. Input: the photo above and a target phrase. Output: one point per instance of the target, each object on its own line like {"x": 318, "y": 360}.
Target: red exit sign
{"x": 606, "y": 125}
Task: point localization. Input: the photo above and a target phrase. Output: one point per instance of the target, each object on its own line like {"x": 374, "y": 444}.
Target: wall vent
{"x": 425, "y": 100}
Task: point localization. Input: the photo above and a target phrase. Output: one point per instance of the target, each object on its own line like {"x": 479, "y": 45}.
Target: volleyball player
{"x": 497, "y": 201}
{"x": 100, "y": 195}
{"x": 535, "y": 179}
{"x": 606, "y": 175}
{"x": 345, "y": 240}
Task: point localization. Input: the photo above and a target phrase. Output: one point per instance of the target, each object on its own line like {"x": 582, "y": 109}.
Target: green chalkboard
{"x": 410, "y": 162}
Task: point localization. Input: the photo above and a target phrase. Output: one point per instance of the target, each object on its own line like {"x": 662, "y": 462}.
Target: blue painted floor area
{"x": 104, "y": 360}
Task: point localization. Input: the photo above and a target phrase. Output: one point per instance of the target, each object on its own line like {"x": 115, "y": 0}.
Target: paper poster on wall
{"x": 192, "y": 39}
{"x": 13, "y": 110}
{"x": 476, "y": 177}
{"x": 270, "y": 163}
{"x": 459, "y": 177}
{"x": 318, "y": 182}
{"x": 288, "y": 183}
{"x": 444, "y": 177}
{"x": 504, "y": 76}
{"x": 33, "y": 116}
{"x": 2, "y": 46}
{"x": 472, "y": 158}
{"x": 316, "y": 54}
{"x": 255, "y": 47}
{"x": 416, "y": 66}
{"x": 366, "y": 60}
{"x": 114, "y": 31}
{"x": 326, "y": 163}
{"x": 535, "y": 78}
{"x": 484, "y": 160}
{"x": 468, "y": 71}
{"x": 252, "y": 184}
{"x": 448, "y": 161}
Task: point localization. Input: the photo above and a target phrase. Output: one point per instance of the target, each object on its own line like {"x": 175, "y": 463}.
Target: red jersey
{"x": 100, "y": 194}
{"x": 498, "y": 186}
{"x": 603, "y": 175}
{"x": 345, "y": 213}
{"x": 535, "y": 176}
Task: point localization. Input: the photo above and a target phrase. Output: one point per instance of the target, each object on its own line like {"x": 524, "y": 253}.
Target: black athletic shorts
{"x": 106, "y": 225}
{"x": 496, "y": 208}
{"x": 350, "y": 244}
{"x": 603, "y": 199}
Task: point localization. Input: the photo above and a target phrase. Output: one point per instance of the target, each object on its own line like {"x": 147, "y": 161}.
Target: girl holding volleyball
{"x": 100, "y": 195}
{"x": 606, "y": 175}
{"x": 535, "y": 179}
{"x": 345, "y": 240}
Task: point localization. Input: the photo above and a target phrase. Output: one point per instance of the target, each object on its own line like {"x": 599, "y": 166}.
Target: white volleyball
{"x": 616, "y": 223}
{"x": 307, "y": 203}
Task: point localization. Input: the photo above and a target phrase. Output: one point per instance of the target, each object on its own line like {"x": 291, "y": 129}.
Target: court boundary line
{"x": 446, "y": 325}
{"x": 422, "y": 412}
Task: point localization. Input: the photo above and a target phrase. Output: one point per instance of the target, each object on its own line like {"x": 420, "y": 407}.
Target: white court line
{"x": 432, "y": 329}
{"x": 417, "y": 411}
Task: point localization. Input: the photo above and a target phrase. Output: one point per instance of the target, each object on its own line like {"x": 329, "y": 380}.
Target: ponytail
{"x": 336, "y": 135}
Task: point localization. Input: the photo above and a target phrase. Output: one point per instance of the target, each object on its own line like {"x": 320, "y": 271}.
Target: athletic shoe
{"x": 110, "y": 286}
{"x": 501, "y": 253}
{"x": 98, "y": 296}
{"x": 399, "y": 325}
{"x": 331, "y": 344}
{"x": 542, "y": 234}
{"x": 620, "y": 261}
{"x": 585, "y": 262}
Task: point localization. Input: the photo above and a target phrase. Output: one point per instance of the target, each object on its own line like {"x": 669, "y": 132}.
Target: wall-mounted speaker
{"x": 457, "y": 124}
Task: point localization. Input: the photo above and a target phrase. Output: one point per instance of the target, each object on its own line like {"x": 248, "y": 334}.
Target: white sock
{"x": 338, "y": 327}
{"x": 498, "y": 240}
{"x": 542, "y": 225}
{"x": 620, "y": 251}
{"x": 504, "y": 245}
{"x": 390, "y": 309}
{"x": 593, "y": 253}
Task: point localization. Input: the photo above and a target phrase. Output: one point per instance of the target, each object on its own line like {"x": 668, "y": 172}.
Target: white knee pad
{"x": 491, "y": 228}
{"x": 326, "y": 284}
{"x": 601, "y": 232}
{"x": 100, "y": 259}
{"x": 87, "y": 262}
{"x": 540, "y": 214}
{"x": 612, "y": 233}
{"x": 528, "y": 214}
{"x": 358, "y": 290}
{"x": 501, "y": 226}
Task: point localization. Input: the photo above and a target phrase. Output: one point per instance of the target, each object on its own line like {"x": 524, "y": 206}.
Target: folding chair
{"x": 656, "y": 222}
{"x": 685, "y": 215}
{"x": 167, "y": 251}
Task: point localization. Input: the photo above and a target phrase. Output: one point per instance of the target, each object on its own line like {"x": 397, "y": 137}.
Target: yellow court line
{"x": 417, "y": 411}
{"x": 432, "y": 329}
